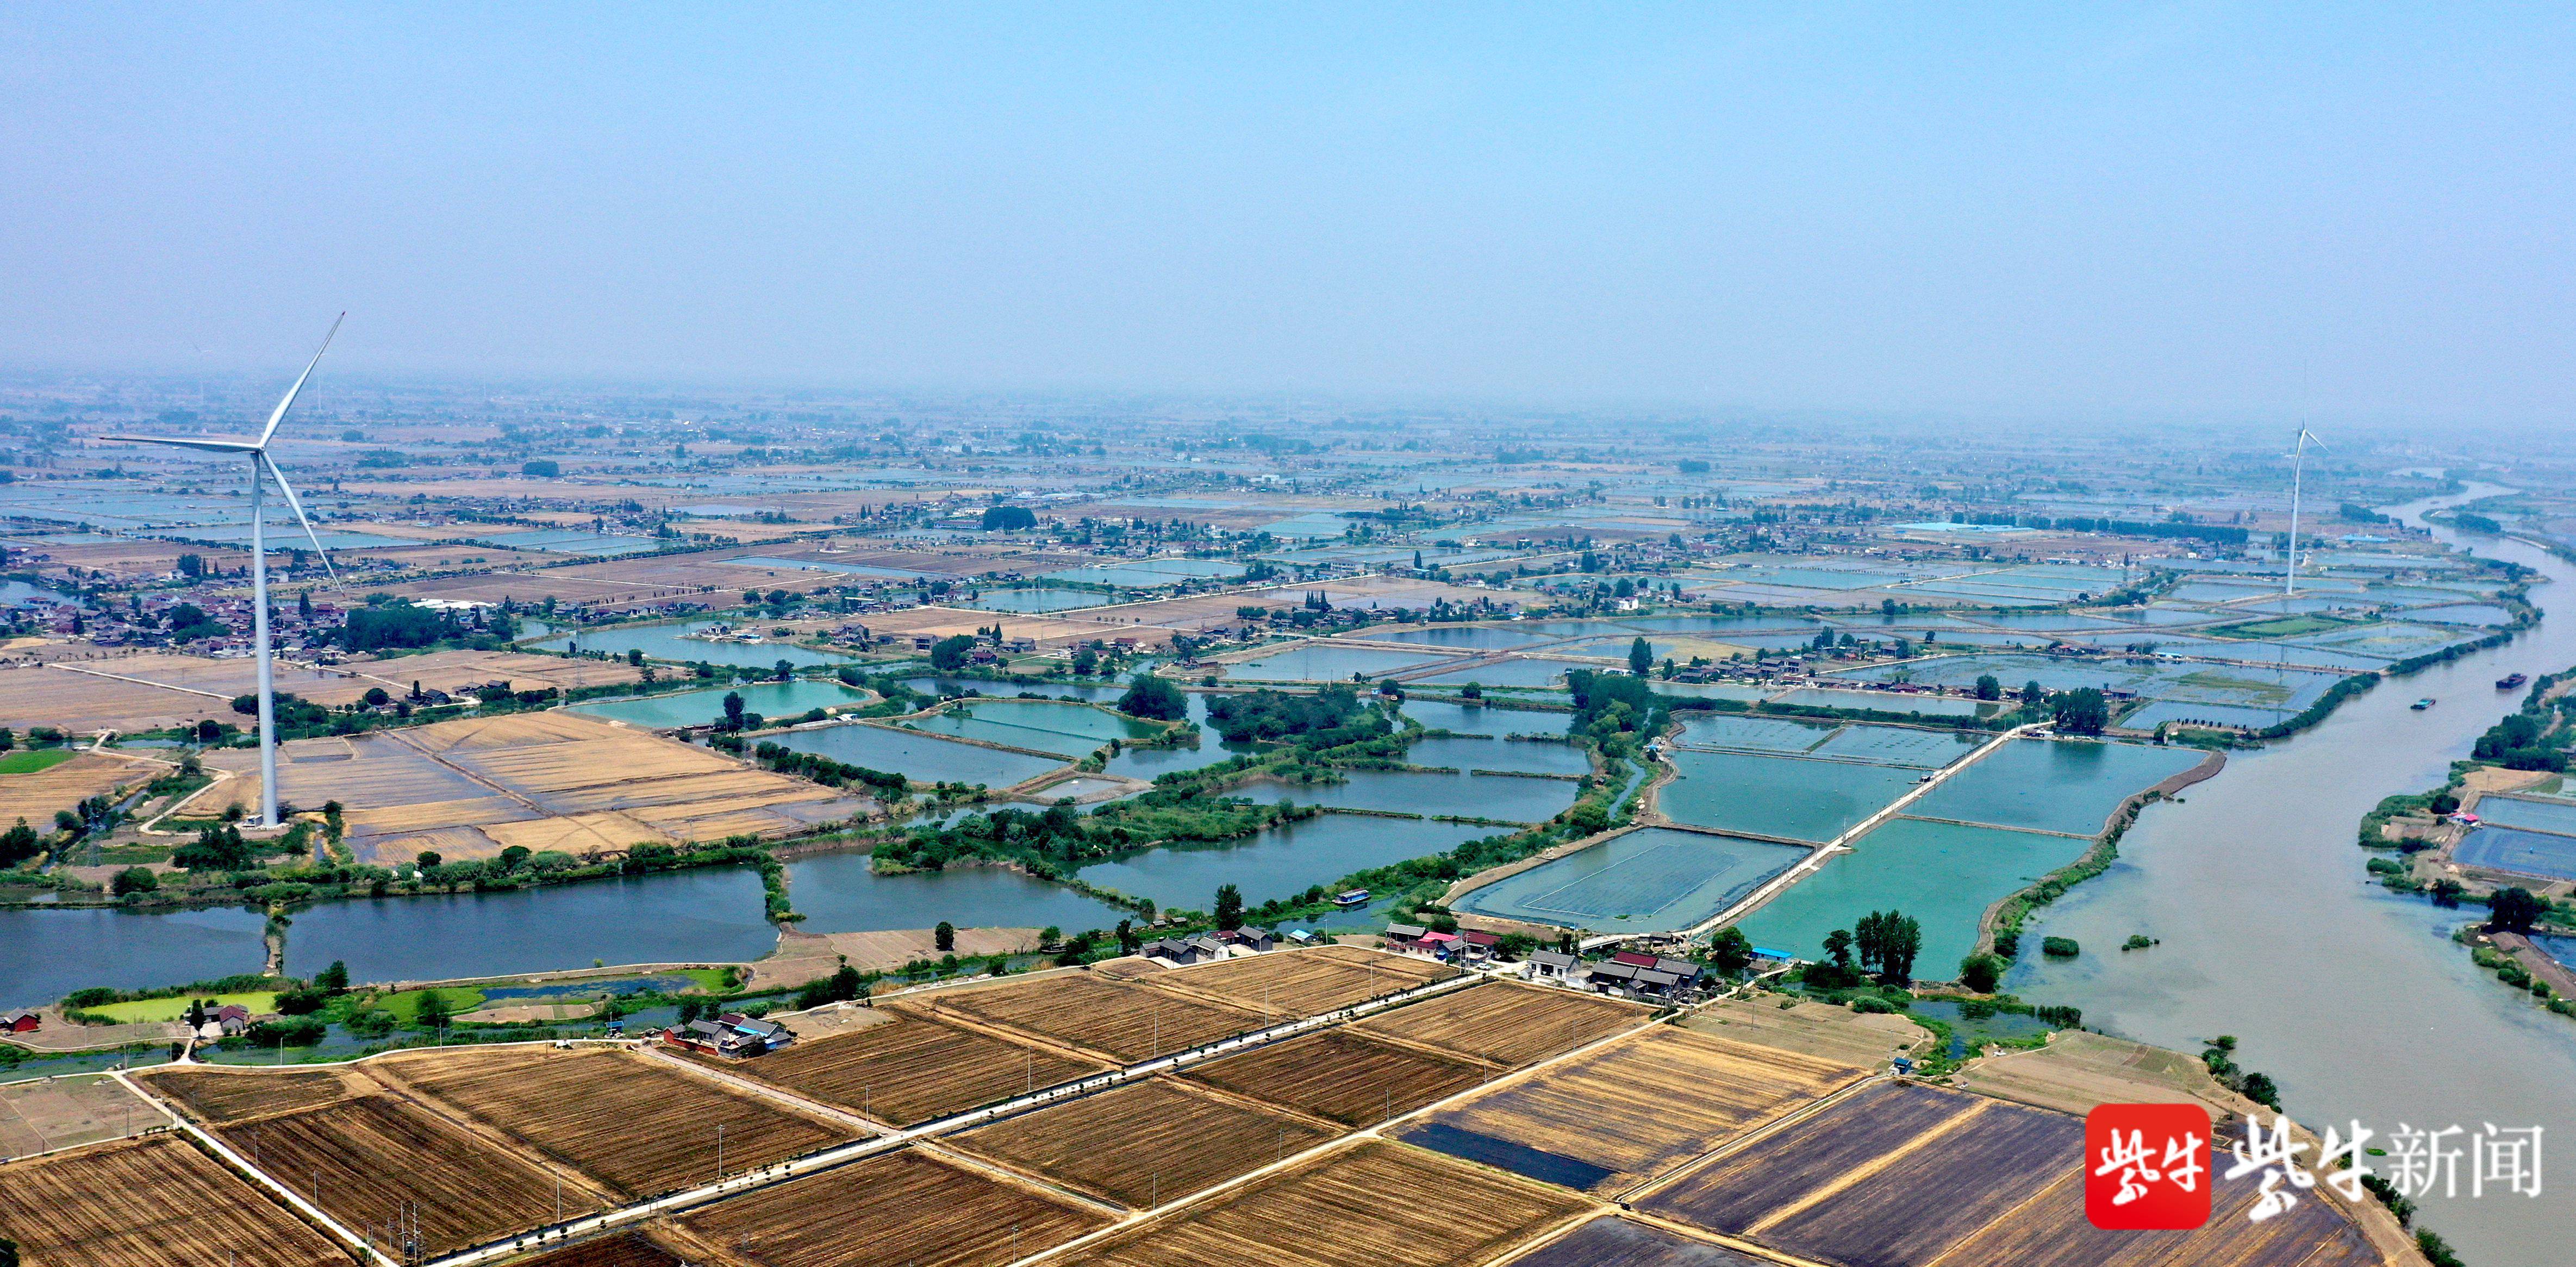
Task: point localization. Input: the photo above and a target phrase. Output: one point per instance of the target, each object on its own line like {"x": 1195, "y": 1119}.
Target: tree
{"x": 514, "y": 857}
{"x": 18, "y": 844}
{"x": 427, "y": 858}
{"x": 1008, "y": 518}
{"x": 1888, "y": 942}
{"x": 1229, "y": 907}
{"x": 542, "y": 468}
{"x": 1153, "y": 698}
{"x": 1731, "y": 951}
{"x": 376, "y": 697}
{"x": 2082, "y": 711}
{"x": 2512, "y": 910}
{"x": 949, "y": 654}
{"x": 334, "y": 979}
{"x": 432, "y": 1012}
{"x": 1641, "y": 657}
{"x": 1981, "y": 973}
{"x": 783, "y": 670}
{"x": 1128, "y": 942}
{"x": 944, "y": 937}
{"x": 1989, "y": 686}
{"x": 134, "y": 880}
{"x": 733, "y": 710}
{"x": 1838, "y": 947}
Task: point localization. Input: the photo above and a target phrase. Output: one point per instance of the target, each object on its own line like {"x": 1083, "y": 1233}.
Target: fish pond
{"x": 1655, "y": 879}
{"x": 715, "y": 915}
{"x": 838, "y": 893}
{"x": 1280, "y": 861}
{"x": 774, "y": 700}
{"x": 1326, "y": 664}
{"x": 669, "y": 642}
{"x": 46, "y": 954}
{"x": 1069, "y": 730}
{"x": 1789, "y": 797}
{"x": 2067, "y": 786}
{"x": 1945, "y": 875}
{"x": 924, "y": 758}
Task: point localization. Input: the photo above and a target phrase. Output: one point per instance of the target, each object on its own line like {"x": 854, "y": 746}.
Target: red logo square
{"x": 2146, "y": 1167}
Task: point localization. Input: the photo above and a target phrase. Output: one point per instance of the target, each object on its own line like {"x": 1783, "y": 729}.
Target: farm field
{"x": 635, "y": 1125}
{"x": 1145, "y": 1143}
{"x": 1835, "y": 1033}
{"x": 1743, "y": 1188}
{"x": 1628, "y": 1112}
{"x": 127, "y": 1204}
{"x": 1376, "y": 1203}
{"x": 904, "y": 1207}
{"x": 368, "y": 1156}
{"x": 37, "y": 794}
{"x": 1341, "y": 1076}
{"x": 1295, "y": 983}
{"x": 41, "y": 1114}
{"x": 2051, "y": 1231}
{"x": 471, "y": 788}
{"x": 630, "y": 1249}
{"x": 1128, "y": 1022}
{"x": 1617, "y": 1242}
{"x": 911, "y": 1069}
{"x": 1916, "y": 1207}
{"x": 1505, "y": 1023}
{"x": 224, "y": 1095}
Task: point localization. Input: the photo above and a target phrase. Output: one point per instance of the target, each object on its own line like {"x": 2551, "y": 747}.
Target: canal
{"x": 2352, "y": 997}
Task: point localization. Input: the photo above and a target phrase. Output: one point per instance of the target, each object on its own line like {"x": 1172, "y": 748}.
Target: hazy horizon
{"x": 2152, "y": 211}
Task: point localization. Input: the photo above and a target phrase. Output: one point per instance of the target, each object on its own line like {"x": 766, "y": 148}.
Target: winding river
{"x": 2352, "y": 997}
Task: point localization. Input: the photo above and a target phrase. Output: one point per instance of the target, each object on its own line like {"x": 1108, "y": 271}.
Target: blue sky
{"x": 2192, "y": 209}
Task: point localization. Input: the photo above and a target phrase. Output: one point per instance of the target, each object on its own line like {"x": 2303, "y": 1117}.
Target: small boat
{"x": 1356, "y": 897}
{"x": 2422, "y": 704}
{"x": 2511, "y": 680}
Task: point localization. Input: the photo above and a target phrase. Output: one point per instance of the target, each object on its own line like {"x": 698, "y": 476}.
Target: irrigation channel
{"x": 2353, "y": 997}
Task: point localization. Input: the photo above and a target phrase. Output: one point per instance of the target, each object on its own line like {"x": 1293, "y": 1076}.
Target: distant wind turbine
{"x": 2298, "y": 459}
{"x": 260, "y": 463}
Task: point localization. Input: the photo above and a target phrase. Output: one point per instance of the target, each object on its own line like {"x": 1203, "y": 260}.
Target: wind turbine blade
{"x": 288, "y": 402}
{"x": 210, "y": 446}
{"x": 298, "y": 508}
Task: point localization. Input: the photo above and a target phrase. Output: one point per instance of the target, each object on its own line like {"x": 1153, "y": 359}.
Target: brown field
{"x": 456, "y": 670}
{"x": 1377, "y": 1203}
{"x": 2051, "y": 1231}
{"x": 1053, "y": 629}
{"x": 1618, "y": 1242}
{"x": 219, "y": 1098}
{"x": 1506, "y": 1023}
{"x": 35, "y": 797}
{"x": 634, "y": 1124}
{"x": 85, "y": 703}
{"x": 2078, "y": 1070}
{"x": 1128, "y": 1022}
{"x": 902, "y": 1208}
{"x": 1342, "y": 1076}
{"x": 40, "y": 1114}
{"x": 1289, "y": 984}
{"x": 368, "y": 1156}
{"x": 1145, "y": 1143}
{"x": 128, "y": 557}
{"x": 623, "y": 1249}
{"x": 1641, "y": 1106}
{"x": 909, "y": 1070}
{"x": 1838, "y": 1034}
{"x": 216, "y": 682}
{"x": 133, "y": 1204}
{"x": 561, "y": 781}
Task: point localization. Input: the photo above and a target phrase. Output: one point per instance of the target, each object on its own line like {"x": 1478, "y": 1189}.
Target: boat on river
{"x": 1355, "y": 897}
{"x": 2422, "y": 704}
{"x": 2511, "y": 680}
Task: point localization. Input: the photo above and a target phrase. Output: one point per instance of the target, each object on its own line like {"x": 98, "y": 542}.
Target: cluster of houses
{"x": 1629, "y": 973}
{"x": 1204, "y": 947}
{"x": 731, "y": 1035}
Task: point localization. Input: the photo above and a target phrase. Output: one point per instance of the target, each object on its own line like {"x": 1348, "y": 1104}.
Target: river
{"x": 2352, "y": 997}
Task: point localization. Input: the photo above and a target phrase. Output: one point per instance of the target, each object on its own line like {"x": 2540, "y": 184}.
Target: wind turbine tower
{"x": 2298, "y": 459}
{"x": 261, "y": 464}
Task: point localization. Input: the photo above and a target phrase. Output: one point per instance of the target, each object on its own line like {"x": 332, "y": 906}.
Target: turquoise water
{"x": 1716, "y": 690}
{"x": 1753, "y": 734}
{"x": 1499, "y": 796}
{"x": 663, "y": 642}
{"x": 1896, "y": 745}
{"x": 1942, "y": 874}
{"x": 1071, "y": 730}
{"x": 1500, "y": 754}
{"x": 777, "y": 701}
{"x": 1484, "y": 719}
{"x": 923, "y": 758}
{"x": 1280, "y": 862}
{"x": 1325, "y": 664}
{"x": 2060, "y": 785}
{"x": 837, "y": 893}
{"x": 1508, "y": 673}
{"x": 1463, "y": 637}
{"x": 1041, "y": 599}
{"x": 707, "y": 916}
{"x": 45, "y": 955}
{"x": 1890, "y": 702}
{"x": 2508, "y": 811}
{"x": 1651, "y": 880}
{"x": 1777, "y": 796}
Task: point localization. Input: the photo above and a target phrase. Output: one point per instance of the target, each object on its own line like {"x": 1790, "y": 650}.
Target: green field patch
{"x": 406, "y": 1005}
{"x": 33, "y": 762}
{"x": 140, "y": 1011}
{"x": 2247, "y": 691}
{"x": 2283, "y": 627}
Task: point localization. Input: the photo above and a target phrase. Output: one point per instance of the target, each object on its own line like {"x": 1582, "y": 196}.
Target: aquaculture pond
{"x": 1507, "y": 797}
{"x": 1655, "y": 879}
{"x": 2054, "y": 785}
{"x": 1041, "y": 599}
{"x": 1891, "y": 702}
{"x": 1484, "y": 719}
{"x": 1522, "y": 672}
{"x": 1752, "y": 734}
{"x": 1464, "y": 637}
{"x": 1280, "y": 861}
{"x": 1789, "y": 797}
{"x": 778, "y": 701}
{"x": 920, "y": 757}
{"x": 666, "y": 642}
{"x": 1069, "y": 730}
{"x": 2513, "y": 849}
{"x": 714, "y": 915}
{"x": 2531, "y": 815}
{"x": 1945, "y": 875}
{"x": 838, "y": 893}
{"x": 46, "y": 954}
{"x": 1090, "y": 693}
{"x": 1311, "y": 663}
{"x": 1521, "y": 755}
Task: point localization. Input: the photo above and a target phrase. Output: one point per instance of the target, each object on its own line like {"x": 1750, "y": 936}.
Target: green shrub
{"x": 2059, "y": 947}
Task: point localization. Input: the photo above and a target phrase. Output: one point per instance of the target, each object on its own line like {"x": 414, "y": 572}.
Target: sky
{"x": 2196, "y": 209}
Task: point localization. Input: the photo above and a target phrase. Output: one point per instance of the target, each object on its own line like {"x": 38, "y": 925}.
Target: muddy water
{"x": 2352, "y": 997}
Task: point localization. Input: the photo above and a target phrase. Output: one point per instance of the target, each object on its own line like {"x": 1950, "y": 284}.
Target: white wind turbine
{"x": 261, "y": 463}
{"x": 2298, "y": 458}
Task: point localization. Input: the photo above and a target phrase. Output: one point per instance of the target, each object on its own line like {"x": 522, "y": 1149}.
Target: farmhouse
{"x": 733, "y": 1035}
{"x": 1551, "y": 965}
{"x": 20, "y": 1022}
